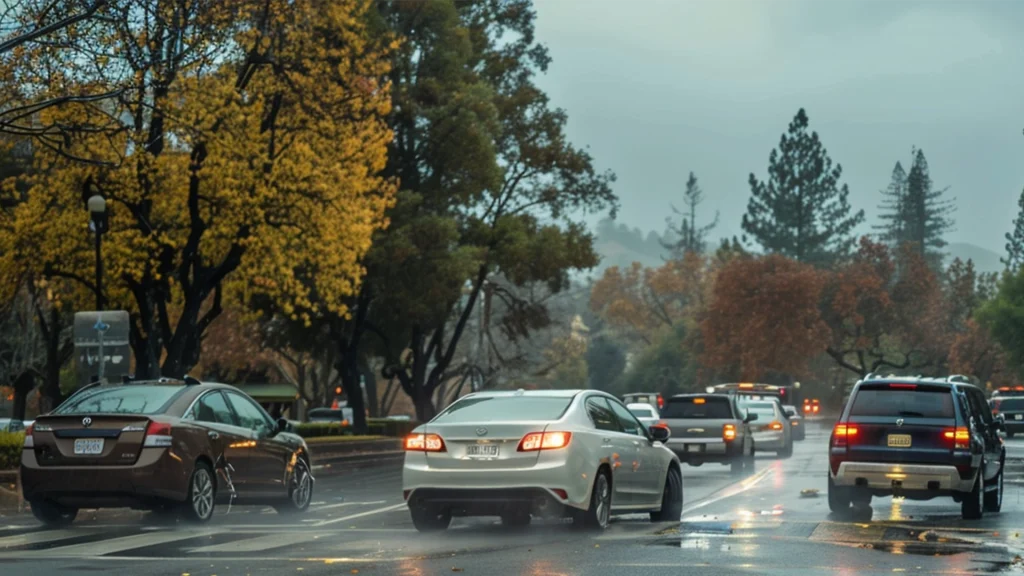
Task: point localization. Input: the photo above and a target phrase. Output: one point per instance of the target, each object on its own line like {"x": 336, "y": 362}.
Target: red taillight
{"x": 843, "y": 433}
{"x": 661, "y": 402}
{"x": 816, "y": 408}
{"x": 903, "y": 386}
{"x": 728, "y": 432}
{"x": 544, "y": 441}
{"x": 424, "y": 443}
{"x": 960, "y": 436}
{"x": 158, "y": 435}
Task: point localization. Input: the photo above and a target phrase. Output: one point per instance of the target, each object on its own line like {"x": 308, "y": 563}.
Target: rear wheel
{"x": 973, "y": 505}
{"x": 671, "y": 499}
{"x": 838, "y": 497}
{"x": 300, "y": 493}
{"x": 53, "y": 515}
{"x": 199, "y": 506}
{"x": 430, "y": 520}
{"x": 599, "y": 514}
{"x": 994, "y": 498}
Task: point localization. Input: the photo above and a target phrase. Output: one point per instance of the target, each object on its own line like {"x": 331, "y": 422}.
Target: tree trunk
{"x": 371, "y": 386}
{"x": 23, "y": 386}
{"x": 349, "y": 370}
{"x": 50, "y": 395}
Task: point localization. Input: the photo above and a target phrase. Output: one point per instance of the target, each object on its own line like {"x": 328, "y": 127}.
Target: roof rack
{"x": 958, "y": 378}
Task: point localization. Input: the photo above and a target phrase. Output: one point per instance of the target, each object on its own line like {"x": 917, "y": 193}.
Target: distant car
{"x": 13, "y": 424}
{"x": 548, "y": 453}
{"x": 796, "y": 422}
{"x": 653, "y": 398}
{"x": 710, "y": 428}
{"x": 918, "y": 438}
{"x": 771, "y": 433}
{"x": 812, "y": 408}
{"x": 342, "y": 416}
{"x": 165, "y": 445}
{"x": 1012, "y": 411}
{"x": 645, "y": 413}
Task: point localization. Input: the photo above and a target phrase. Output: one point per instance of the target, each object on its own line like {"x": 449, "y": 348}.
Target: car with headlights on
{"x": 176, "y": 447}
{"x": 772, "y": 432}
{"x": 539, "y": 453}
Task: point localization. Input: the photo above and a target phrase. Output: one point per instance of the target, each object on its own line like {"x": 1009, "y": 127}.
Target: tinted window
{"x": 250, "y": 415}
{"x": 912, "y": 403}
{"x": 1009, "y": 404}
{"x": 121, "y": 400}
{"x": 712, "y": 408}
{"x": 505, "y": 408}
{"x": 629, "y": 423}
{"x": 642, "y": 412}
{"x": 214, "y": 409}
{"x": 981, "y": 409}
{"x": 602, "y": 415}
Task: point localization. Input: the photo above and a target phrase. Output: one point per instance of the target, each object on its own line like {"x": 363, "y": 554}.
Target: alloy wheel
{"x": 202, "y": 494}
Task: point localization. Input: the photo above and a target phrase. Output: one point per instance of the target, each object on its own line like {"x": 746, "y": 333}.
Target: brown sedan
{"x": 163, "y": 445}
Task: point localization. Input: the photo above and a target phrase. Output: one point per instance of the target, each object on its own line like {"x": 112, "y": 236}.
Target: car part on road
{"x": 671, "y": 499}
{"x": 300, "y": 493}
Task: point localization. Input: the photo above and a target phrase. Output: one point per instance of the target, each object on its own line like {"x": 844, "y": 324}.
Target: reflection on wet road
{"x": 773, "y": 521}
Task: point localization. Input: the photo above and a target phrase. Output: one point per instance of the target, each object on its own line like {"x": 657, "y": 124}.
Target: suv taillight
{"x": 158, "y": 435}
{"x": 843, "y": 434}
{"x": 960, "y": 436}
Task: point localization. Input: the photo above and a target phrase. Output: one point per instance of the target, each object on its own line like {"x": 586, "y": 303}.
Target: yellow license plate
{"x": 899, "y": 440}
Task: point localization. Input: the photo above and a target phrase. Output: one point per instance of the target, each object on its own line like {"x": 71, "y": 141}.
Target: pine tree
{"x": 926, "y": 214}
{"x": 801, "y": 211}
{"x": 892, "y": 230}
{"x": 1015, "y": 240}
{"x": 690, "y": 237}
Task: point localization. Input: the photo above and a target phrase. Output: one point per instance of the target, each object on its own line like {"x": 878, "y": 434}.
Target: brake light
{"x": 1019, "y": 388}
{"x": 661, "y": 402}
{"x": 729, "y": 432}
{"x": 816, "y": 408}
{"x": 843, "y": 433}
{"x": 30, "y": 442}
{"x": 903, "y": 386}
{"x": 544, "y": 441}
{"x": 699, "y": 401}
{"x": 960, "y": 436}
{"x": 424, "y": 443}
{"x": 807, "y": 407}
{"x": 746, "y": 386}
{"x": 158, "y": 435}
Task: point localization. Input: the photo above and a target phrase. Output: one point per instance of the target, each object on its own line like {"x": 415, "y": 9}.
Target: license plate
{"x": 88, "y": 446}
{"x": 693, "y": 447}
{"x": 1018, "y": 416}
{"x": 899, "y": 440}
{"x": 487, "y": 450}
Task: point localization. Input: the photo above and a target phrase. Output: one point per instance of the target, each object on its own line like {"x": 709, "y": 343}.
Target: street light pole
{"x": 98, "y": 223}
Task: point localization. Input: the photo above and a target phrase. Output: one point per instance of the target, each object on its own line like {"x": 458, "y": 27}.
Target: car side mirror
{"x": 282, "y": 426}
{"x": 750, "y": 418}
{"x": 660, "y": 433}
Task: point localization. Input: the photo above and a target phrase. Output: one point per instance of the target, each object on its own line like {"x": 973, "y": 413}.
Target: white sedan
{"x": 645, "y": 413}
{"x": 551, "y": 453}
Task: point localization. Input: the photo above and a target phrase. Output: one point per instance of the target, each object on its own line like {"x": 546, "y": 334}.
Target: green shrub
{"x": 393, "y": 428}
{"x": 10, "y": 449}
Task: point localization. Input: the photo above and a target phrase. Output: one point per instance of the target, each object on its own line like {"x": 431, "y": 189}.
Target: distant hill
{"x": 984, "y": 259}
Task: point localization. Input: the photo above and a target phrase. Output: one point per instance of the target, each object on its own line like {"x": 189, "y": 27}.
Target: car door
{"x": 229, "y": 442}
{"x": 270, "y": 456}
{"x": 615, "y": 446}
{"x": 986, "y": 426}
{"x": 647, "y": 461}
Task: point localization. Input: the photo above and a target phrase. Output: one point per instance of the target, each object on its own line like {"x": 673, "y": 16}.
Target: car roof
{"x": 702, "y": 395}
{"x": 534, "y": 393}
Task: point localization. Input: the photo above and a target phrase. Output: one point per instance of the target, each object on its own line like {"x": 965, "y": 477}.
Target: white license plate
{"x": 1018, "y": 416}
{"x": 487, "y": 450}
{"x": 899, "y": 440}
{"x": 693, "y": 447}
{"x": 88, "y": 446}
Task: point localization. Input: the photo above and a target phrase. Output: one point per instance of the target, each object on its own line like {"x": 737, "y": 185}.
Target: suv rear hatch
{"x": 897, "y": 422}
{"x": 698, "y": 416}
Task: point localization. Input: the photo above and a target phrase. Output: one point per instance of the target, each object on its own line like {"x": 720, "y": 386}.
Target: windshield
{"x": 505, "y": 409}
{"x": 145, "y": 400}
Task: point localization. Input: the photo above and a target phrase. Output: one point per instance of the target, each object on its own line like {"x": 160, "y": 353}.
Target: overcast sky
{"x": 657, "y": 88}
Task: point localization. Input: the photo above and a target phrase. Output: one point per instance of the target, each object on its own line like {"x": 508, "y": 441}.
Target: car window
{"x": 698, "y": 408}
{"x": 602, "y": 415}
{"x": 250, "y": 415}
{"x": 980, "y": 406}
{"x": 142, "y": 399}
{"x": 642, "y": 412}
{"x": 213, "y": 408}
{"x": 896, "y": 402}
{"x": 628, "y": 422}
{"x": 505, "y": 409}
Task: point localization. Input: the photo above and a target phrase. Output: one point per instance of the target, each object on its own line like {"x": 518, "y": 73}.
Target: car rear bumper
{"x": 157, "y": 476}
{"x": 912, "y": 477}
{"x": 490, "y": 488}
{"x": 770, "y": 441}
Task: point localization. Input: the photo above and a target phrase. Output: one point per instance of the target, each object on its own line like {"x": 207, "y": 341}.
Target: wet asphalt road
{"x": 760, "y": 524}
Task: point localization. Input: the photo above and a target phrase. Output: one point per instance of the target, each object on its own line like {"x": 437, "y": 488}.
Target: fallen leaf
{"x": 597, "y": 545}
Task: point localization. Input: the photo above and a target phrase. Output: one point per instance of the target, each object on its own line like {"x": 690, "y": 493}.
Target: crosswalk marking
{"x": 40, "y": 537}
{"x": 115, "y": 545}
{"x": 259, "y": 543}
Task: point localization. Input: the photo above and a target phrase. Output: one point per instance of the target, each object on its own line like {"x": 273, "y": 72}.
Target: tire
{"x": 671, "y": 498}
{"x": 516, "y": 520}
{"x": 838, "y": 497}
{"x": 994, "y": 498}
{"x": 787, "y": 451}
{"x": 202, "y": 493}
{"x": 53, "y": 515}
{"x": 973, "y": 505}
{"x": 598, "y": 515}
{"x": 430, "y": 520}
{"x": 300, "y": 492}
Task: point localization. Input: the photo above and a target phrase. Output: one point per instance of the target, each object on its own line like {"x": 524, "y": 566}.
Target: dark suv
{"x": 918, "y": 438}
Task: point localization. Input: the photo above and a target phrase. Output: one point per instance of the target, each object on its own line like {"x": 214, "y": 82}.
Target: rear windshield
{"x": 908, "y": 403}
{"x": 504, "y": 409}
{"x": 710, "y": 409}
{"x": 1005, "y": 404}
{"x": 642, "y": 412}
{"x": 760, "y": 408}
{"x": 147, "y": 400}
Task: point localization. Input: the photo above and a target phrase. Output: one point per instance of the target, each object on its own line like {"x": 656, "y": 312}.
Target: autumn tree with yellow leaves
{"x": 239, "y": 154}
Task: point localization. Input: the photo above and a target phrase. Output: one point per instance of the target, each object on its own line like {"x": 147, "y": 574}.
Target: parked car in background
{"x": 165, "y": 445}
{"x": 772, "y": 432}
{"x": 710, "y": 428}
{"x": 645, "y": 413}
{"x": 342, "y": 416}
{"x": 796, "y": 422}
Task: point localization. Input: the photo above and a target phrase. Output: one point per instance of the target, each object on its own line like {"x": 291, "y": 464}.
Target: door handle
{"x": 213, "y": 435}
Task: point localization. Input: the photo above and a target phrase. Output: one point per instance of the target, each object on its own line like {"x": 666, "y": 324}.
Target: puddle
{"x": 920, "y": 548}
{"x": 706, "y": 527}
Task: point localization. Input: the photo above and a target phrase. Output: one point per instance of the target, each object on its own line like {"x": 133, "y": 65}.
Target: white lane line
{"x": 730, "y": 491}
{"x": 42, "y": 537}
{"x": 267, "y": 542}
{"x": 360, "y": 515}
{"x": 343, "y": 504}
{"x": 115, "y": 545}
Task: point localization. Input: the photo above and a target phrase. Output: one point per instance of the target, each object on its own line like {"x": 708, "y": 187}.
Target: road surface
{"x": 758, "y": 524}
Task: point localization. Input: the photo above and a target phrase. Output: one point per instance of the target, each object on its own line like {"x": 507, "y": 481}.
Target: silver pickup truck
{"x": 710, "y": 428}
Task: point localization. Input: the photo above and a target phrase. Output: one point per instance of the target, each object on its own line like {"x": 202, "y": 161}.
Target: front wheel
{"x": 671, "y": 499}
{"x": 300, "y": 493}
{"x": 994, "y": 498}
{"x": 53, "y": 515}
